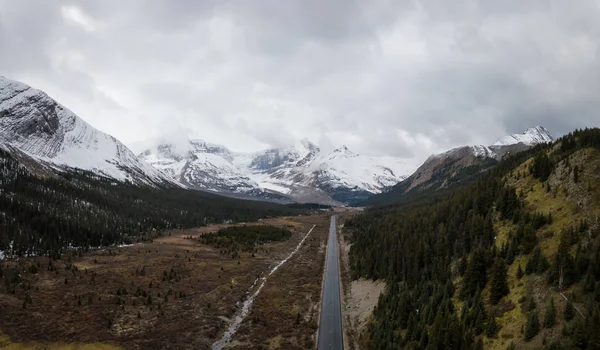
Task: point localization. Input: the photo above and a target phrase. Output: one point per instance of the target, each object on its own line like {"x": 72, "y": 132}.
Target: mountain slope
{"x": 459, "y": 164}
{"x": 301, "y": 172}
{"x": 512, "y": 258}
{"x": 36, "y": 124}
{"x": 51, "y": 213}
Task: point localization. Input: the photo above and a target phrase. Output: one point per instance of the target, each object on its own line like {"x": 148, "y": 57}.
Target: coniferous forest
{"x": 47, "y": 214}
{"x": 447, "y": 270}
{"x": 245, "y": 238}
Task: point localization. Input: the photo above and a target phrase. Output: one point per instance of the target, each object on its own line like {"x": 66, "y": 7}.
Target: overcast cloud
{"x": 396, "y": 78}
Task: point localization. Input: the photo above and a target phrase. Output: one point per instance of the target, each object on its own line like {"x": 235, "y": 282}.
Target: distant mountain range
{"x": 47, "y": 137}
{"x": 300, "y": 172}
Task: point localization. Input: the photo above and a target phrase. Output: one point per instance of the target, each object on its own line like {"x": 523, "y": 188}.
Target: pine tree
{"x": 499, "y": 283}
{"x": 510, "y": 255}
{"x": 491, "y": 329}
{"x": 541, "y": 166}
{"x": 532, "y": 327}
{"x": 519, "y": 272}
{"x": 542, "y": 264}
{"x": 537, "y": 262}
{"x": 478, "y": 327}
{"x": 579, "y": 340}
{"x": 476, "y": 274}
{"x": 550, "y": 317}
{"x": 424, "y": 338}
{"x": 531, "y": 306}
{"x": 569, "y": 311}
{"x": 529, "y": 239}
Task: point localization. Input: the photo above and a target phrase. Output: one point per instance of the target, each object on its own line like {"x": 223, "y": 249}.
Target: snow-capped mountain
{"x": 531, "y": 136}
{"x": 299, "y": 172}
{"x": 503, "y": 145}
{"x": 457, "y": 164}
{"x": 37, "y": 125}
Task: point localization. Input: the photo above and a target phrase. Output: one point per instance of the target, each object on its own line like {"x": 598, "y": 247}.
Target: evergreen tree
{"x": 510, "y": 255}
{"x": 531, "y": 306}
{"x": 499, "y": 283}
{"x": 569, "y": 311}
{"x": 537, "y": 263}
{"x": 579, "y": 339}
{"x": 478, "y": 326}
{"x": 491, "y": 329}
{"x": 550, "y": 317}
{"x": 541, "y": 166}
{"x": 532, "y": 327}
{"x": 529, "y": 238}
{"x": 542, "y": 264}
{"x": 476, "y": 274}
{"x": 519, "y": 272}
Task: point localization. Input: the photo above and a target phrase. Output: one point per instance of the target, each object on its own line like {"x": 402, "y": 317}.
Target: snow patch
{"x": 482, "y": 151}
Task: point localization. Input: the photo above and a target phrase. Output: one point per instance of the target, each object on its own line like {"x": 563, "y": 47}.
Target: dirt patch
{"x": 363, "y": 297}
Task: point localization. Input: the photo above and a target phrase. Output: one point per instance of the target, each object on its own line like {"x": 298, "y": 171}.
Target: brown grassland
{"x": 173, "y": 292}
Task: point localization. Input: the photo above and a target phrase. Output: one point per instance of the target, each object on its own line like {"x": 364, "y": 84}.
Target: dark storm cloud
{"x": 401, "y": 78}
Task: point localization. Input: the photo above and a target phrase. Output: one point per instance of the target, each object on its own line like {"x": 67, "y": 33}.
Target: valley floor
{"x": 173, "y": 292}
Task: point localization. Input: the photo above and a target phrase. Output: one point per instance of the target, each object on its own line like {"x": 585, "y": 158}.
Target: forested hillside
{"x": 511, "y": 260}
{"x": 46, "y": 214}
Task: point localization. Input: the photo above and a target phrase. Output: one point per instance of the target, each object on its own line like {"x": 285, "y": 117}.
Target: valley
{"x": 481, "y": 247}
{"x": 299, "y": 175}
{"x": 171, "y": 292}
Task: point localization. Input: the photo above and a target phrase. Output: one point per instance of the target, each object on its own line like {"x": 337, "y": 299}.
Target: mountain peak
{"x": 343, "y": 150}
{"x": 34, "y": 123}
{"x": 529, "y": 137}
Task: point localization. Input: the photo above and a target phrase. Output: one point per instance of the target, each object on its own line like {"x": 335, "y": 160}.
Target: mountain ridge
{"x": 299, "y": 172}
{"x": 34, "y": 123}
{"x": 458, "y": 164}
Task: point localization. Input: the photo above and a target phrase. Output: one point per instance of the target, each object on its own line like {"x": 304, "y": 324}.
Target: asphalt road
{"x": 330, "y": 328}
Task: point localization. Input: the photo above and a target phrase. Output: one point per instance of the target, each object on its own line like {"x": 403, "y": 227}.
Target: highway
{"x": 330, "y": 327}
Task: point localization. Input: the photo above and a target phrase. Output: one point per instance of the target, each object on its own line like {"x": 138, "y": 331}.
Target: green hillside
{"x": 511, "y": 259}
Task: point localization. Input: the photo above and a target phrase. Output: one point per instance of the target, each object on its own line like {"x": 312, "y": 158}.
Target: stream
{"x": 243, "y": 312}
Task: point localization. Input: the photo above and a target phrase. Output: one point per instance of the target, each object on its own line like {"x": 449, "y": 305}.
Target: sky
{"x": 383, "y": 77}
